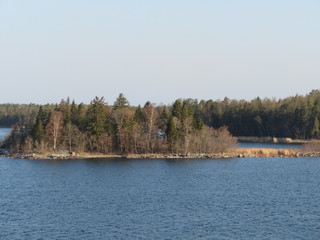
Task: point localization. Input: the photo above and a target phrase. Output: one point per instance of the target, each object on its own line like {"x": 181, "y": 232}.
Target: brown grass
{"x": 313, "y": 145}
{"x": 266, "y": 152}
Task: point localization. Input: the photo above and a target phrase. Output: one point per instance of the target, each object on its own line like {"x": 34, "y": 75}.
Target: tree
{"x": 172, "y": 134}
{"x": 138, "y": 115}
{"x": 315, "y": 130}
{"x": 176, "y": 109}
{"x": 150, "y": 116}
{"x": 38, "y": 131}
{"x": 54, "y": 127}
{"x": 71, "y": 131}
{"x": 64, "y": 108}
{"x": 81, "y": 118}
{"x": 164, "y": 117}
{"x": 74, "y": 113}
{"x": 96, "y": 117}
{"x": 121, "y": 102}
{"x": 122, "y": 119}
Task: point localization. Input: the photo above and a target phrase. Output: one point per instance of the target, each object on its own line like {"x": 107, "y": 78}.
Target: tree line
{"x": 187, "y": 125}
{"x": 293, "y": 117}
{"x": 24, "y": 114}
{"x": 120, "y": 128}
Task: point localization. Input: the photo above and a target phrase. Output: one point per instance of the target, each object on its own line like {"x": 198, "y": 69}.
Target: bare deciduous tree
{"x": 54, "y": 127}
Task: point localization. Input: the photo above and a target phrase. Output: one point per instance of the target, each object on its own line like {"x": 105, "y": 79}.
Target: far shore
{"x": 272, "y": 140}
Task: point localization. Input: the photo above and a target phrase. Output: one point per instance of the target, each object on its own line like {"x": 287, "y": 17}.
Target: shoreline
{"x": 272, "y": 140}
{"x": 232, "y": 153}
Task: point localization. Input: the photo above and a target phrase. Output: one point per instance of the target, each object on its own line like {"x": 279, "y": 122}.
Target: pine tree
{"x": 38, "y": 131}
{"x": 138, "y": 115}
{"x": 176, "y": 109}
{"x": 81, "y": 117}
{"x": 198, "y": 124}
{"x": 96, "y": 117}
{"x": 121, "y": 102}
{"x": 65, "y": 108}
{"x": 74, "y": 113}
{"x": 164, "y": 117}
{"x": 172, "y": 134}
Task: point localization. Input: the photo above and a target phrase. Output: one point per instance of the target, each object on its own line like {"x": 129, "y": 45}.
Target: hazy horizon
{"x": 157, "y": 51}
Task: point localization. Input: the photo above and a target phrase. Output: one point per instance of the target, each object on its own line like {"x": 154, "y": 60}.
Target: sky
{"x": 157, "y": 51}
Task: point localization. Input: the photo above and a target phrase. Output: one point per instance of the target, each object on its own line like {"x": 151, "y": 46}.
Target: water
{"x": 268, "y": 145}
{"x": 247, "y": 198}
{"x": 4, "y": 132}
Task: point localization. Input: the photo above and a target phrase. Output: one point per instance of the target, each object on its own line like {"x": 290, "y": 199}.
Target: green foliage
{"x": 96, "y": 117}
{"x": 121, "y": 102}
{"x": 38, "y": 129}
{"x": 24, "y": 114}
{"x": 186, "y": 126}
{"x": 65, "y": 108}
{"x": 172, "y": 134}
{"x": 198, "y": 124}
{"x": 73, "y": 113}
{"x": 176, "y": 109}
{"x": 164, "y": 117}
{"x": 138, "y": 115}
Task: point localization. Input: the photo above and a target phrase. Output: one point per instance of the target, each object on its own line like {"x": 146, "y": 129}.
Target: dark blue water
{"x": 268, "y": 145}
{"x": 246, "y": 198}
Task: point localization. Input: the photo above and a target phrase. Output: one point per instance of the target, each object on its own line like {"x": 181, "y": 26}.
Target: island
{"x": 187, "y": 128}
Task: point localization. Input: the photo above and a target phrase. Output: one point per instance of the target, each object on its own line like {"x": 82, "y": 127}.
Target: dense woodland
{"x": 186, "y": 126}
{"x": 295, "y": 117}
{"x": 119, "y": 129}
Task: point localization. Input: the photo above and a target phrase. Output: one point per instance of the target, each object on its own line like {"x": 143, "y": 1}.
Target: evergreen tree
{"x": 198, "y": 124}
{"x": 38, "y": 132}
{"x": 81, "y": 117}
{"x": 164, "y": 117}
{"x": 121, "y": 102}
{"x": 64, "y": 108}
{"x": 138, "y": 115}
{"x": 176, "y": 109}
{"x": 172, "y": 134}
{"x": 96, "y": 117}
{"x": 74, "y": 113}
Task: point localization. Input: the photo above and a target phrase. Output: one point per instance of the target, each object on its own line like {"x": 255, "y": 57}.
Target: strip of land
{"x": 272, "y": 140}
{"x": 232, "y": 153}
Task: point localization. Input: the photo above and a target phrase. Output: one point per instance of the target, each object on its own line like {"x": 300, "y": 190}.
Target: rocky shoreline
{"x": 233, "y": 153}
{"x": 37, "y": 156}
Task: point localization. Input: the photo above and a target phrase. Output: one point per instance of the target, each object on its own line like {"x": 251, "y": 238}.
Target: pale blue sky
{"x": 157, "y": 50}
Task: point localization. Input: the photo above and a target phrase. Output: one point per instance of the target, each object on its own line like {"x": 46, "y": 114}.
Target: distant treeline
{"x": 185, "y": 126}
{"x": 293, "y": 117}
{"x": 119, "y": 129}
{"x": 24, "y": 114}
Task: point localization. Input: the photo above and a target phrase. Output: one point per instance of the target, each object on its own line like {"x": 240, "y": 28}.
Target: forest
{"x": 185, "y": 126}
{"x": 119, "y": 129}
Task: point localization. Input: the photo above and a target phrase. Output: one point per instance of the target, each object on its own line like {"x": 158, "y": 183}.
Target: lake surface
{"x": 4, "y": 132}
{"x": 245, "y": 198}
